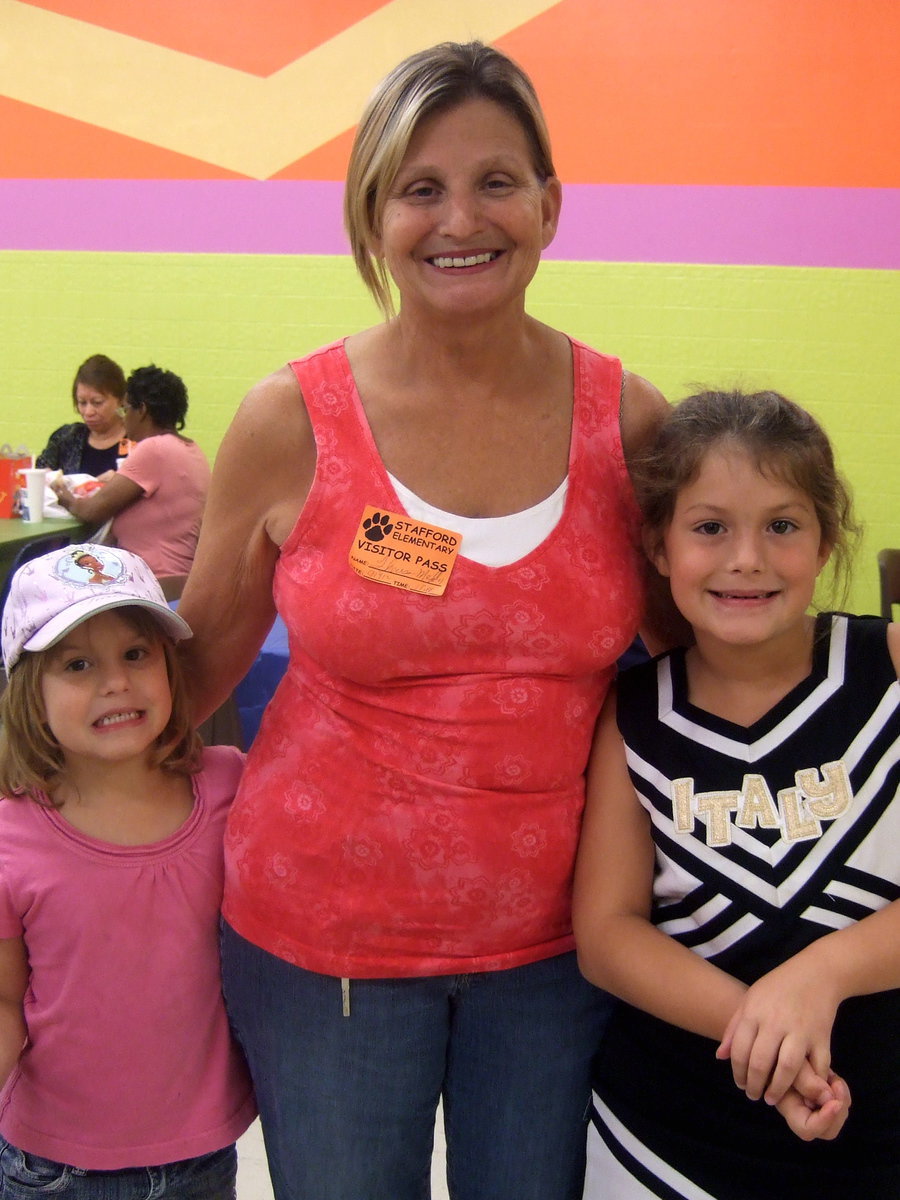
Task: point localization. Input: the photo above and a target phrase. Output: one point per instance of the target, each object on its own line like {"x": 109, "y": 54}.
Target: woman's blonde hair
{"x": 32, "y": 760}
{"x": 426, "y": 83}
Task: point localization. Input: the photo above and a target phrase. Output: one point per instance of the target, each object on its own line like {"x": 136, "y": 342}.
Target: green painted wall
{"x": 827, "y": 338}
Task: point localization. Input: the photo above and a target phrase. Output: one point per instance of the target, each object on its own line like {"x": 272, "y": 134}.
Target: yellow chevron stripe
{"x": 217, "y": 114}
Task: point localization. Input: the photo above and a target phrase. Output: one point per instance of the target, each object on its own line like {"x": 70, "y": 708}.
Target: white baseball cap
{"x": 50, "y": 595}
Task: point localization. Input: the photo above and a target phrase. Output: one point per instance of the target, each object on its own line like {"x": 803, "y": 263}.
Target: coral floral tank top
{"x": 412, "y": 802}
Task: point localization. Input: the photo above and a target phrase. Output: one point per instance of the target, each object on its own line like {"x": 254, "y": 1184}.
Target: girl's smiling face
{"x": 105, "y": 689}
{"x": 467, "y": 216}
{"x": 742, "y": 552}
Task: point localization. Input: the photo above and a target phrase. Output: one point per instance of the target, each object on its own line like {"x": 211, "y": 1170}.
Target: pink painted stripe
{"x": 773, "y": 226}
{"x": 172, "y": 216}
{"x": 814, "y": 227}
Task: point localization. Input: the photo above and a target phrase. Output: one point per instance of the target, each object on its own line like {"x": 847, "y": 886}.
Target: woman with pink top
{"x": 156, "y": 497}
{"x": 440, "y": 509}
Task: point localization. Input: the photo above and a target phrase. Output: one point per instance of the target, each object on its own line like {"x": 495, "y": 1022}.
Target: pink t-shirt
{"x": 412, "y": 803}
{"x": 129, "y": 1060}
{"x": 163, "y": 525}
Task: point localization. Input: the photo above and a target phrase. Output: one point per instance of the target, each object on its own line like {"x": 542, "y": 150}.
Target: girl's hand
{"x": 783, "y": 1021}
{"x": 809, "y": 1120}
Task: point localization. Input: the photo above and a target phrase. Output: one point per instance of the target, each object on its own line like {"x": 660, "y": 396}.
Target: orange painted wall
{"x": 799, "y": 93}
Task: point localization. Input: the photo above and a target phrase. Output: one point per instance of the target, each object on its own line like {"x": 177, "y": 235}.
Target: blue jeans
{"x": 348, "y": 1102}
{"x": 207, "y": 1177}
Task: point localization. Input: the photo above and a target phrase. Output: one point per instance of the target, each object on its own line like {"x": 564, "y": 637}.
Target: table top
{"x": 15, "y": 532}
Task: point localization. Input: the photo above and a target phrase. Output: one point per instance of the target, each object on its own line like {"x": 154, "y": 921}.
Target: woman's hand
{"x": 102, "y": 503}
{"x": 264, "y": 468}
{"x": 63, "y": 493}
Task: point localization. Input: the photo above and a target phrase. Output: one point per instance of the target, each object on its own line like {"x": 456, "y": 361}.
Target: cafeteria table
{"x": 16, "y": 533}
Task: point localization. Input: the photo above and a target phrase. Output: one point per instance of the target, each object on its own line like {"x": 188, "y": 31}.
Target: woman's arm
{"x": 13, "y": 982}
{"x": 64, "y": 448}
{"x": 102, "y": 504}
{"x": 618, "y": 947}
{"x": 263, "y": 472}
{"x": 893, "y": 638}
{"x": 644, "y": 408}
{"x": 50, "y": 455}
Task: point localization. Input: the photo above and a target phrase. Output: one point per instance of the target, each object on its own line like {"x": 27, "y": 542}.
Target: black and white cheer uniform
{"x": 767, "y": 838}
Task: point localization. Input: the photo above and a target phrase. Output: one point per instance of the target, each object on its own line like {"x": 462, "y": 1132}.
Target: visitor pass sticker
{"x": 404, "y": 553}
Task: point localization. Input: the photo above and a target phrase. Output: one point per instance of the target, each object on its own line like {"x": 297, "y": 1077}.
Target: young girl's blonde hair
{"x": 32, "y": 760}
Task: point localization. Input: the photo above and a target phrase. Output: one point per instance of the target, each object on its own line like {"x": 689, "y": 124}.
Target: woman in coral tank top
{"x": 439, "y": 507}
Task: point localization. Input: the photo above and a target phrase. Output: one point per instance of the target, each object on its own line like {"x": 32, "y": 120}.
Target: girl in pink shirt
{"x": 120, "y": 1078}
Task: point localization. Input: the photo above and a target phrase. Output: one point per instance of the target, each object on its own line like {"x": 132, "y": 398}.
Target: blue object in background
{"x": 258, "y": 686}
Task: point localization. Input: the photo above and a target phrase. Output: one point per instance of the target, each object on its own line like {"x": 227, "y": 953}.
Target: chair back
{"x": 889, "y": 578}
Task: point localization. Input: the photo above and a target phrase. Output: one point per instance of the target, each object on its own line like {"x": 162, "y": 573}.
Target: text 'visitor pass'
{"x": 404, "y": 553}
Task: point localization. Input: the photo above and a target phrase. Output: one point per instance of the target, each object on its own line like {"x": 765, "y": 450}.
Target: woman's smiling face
{"x": 467, "y": 216}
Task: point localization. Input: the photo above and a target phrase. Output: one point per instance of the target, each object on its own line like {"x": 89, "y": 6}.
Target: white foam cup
{"x": 35, "y": 480}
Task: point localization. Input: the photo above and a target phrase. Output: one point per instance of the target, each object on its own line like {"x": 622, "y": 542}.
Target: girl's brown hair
{"x": 783, "y": 439}
{"x": 32, "y": 760}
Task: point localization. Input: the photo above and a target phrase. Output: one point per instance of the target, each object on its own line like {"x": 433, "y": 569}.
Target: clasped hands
{"x": 779, "y": 1044}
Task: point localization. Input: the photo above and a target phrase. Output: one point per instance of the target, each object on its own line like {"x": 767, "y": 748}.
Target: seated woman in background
{"x": 92, "y": 445}
{"x": 156, "y": 498}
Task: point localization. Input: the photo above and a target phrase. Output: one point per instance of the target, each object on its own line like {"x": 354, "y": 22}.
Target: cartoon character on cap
{"x": 86, "y": 560}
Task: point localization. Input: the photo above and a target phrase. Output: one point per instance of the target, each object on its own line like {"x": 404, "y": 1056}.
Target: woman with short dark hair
{"x": 92, "y": 445}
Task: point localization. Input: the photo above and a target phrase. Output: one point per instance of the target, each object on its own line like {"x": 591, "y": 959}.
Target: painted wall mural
{"x": 170, "y": 191}
{"x": 726, "y": 131}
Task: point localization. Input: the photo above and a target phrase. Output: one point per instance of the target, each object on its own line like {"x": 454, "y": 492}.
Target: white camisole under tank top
{"x": 492, "y": 541}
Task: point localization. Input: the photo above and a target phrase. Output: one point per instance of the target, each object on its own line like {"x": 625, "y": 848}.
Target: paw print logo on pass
{"x": 377, "y": 527}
